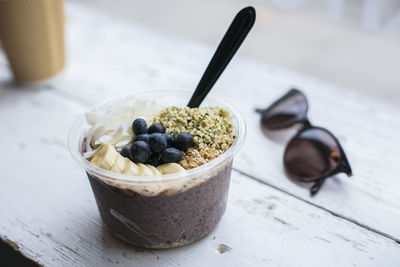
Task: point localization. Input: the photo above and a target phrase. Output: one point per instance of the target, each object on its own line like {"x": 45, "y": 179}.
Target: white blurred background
{"x": 351, "y": 43}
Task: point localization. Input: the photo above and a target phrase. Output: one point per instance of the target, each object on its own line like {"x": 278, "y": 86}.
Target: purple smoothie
{"x": 165, "y": 220}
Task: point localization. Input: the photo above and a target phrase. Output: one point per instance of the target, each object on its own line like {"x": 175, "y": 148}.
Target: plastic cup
{"x": 174, "y": 211}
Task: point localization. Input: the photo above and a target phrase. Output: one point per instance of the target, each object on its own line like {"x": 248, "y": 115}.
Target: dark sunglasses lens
{"x": 286, "y": 111}
{"x": 311, "y": 154}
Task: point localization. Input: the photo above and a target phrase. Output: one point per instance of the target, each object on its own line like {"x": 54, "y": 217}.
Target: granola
{"x": 211, "y": 127}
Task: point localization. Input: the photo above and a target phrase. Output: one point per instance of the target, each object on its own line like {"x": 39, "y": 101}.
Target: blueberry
{"x": 139, "y": 152}
{"x": 125, "y": 152}
{"x": 142, "y": 137}
{"x": 170, "y": 139}
{"x": 156, "y": 128}
{"x": 183, "y": 141}
{"x": 171, "y": 155}
{"x": 139, "y": 126}
{"x": 154, "y": 160}
{"x": 157, "y": 142}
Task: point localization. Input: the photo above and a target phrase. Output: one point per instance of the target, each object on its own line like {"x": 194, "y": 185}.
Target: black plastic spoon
{"x": 230, "y": 43}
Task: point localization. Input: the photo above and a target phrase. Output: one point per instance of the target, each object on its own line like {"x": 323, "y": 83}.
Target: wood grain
{"x": 48, "y": 211}
{"x": 368, "y": 129}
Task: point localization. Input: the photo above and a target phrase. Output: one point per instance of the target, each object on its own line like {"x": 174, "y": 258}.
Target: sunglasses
{"x": 314, "y": 153}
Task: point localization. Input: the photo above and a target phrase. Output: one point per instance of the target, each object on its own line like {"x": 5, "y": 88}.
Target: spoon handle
{"x": 230, "y": 43}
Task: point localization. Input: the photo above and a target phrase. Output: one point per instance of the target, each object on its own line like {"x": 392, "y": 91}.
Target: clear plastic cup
{"x": 176, "y": 210}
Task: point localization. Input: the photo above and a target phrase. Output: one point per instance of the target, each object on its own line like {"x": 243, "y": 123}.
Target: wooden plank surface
{"x": 136, "y": 58}
{"x": 48, "y": 210}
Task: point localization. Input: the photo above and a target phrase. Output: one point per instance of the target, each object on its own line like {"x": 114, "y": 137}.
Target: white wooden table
{"x": 47, "y": 210}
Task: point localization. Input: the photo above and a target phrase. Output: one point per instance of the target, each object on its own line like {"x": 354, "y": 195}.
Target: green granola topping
{"x": 211, "y": 127}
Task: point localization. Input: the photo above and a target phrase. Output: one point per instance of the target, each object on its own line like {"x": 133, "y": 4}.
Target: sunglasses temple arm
{"x": 317, "y": 186}
{"x": 345, "y": 167}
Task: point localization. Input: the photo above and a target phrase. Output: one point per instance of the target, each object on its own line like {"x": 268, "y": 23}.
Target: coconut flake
{"x": 114, "y": 126}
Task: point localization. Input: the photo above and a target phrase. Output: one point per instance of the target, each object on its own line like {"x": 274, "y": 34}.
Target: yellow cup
{"x": 32, "y": 35}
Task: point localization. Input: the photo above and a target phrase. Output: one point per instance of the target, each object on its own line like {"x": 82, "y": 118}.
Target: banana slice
{"x": 144, "y": 170}
{"x": 108, "y": 158}
{"x": 105, "y": 157}
{"x": 154, "y": 170}
{"x": 131, "y": 168}
{"x": 120, "y": 164}
{"x": 169, "y": 168}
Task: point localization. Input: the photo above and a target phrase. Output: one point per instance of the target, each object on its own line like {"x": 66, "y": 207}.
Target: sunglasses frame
{"x": 343, "y": 164}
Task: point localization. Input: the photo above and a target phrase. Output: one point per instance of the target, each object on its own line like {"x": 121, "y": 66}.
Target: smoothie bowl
{"x": 159, "y": 170}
